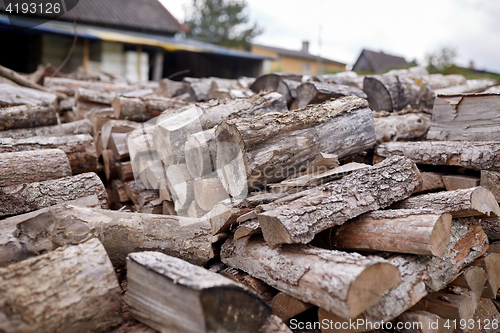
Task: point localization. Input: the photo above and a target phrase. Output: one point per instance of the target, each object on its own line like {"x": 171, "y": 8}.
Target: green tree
{"x": 441, "y": 59}
{"x": 221, "y": 22}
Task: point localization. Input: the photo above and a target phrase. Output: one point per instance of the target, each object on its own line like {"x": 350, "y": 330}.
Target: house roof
{"x": 298, "y": 54}
{"x": 380, "y": 61}
{"x": 137, "y": 15}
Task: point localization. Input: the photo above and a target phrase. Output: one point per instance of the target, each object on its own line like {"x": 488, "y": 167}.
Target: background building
{"x": 377, "y": 62}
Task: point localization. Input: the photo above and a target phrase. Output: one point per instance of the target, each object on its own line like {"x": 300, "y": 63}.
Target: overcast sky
{"x": 408, "y": 29}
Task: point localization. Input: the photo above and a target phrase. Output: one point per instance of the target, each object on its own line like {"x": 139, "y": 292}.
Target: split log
{"x": 209, "y": 192}
{"x": 304, "y": 272}
{"x": 133, "y": 188}
{"x": 431, "y": 181}
{"x": 109, "y": 161}
{"x": 484, "y": 155}
{"x": 116, "y": 126}
{"x": 27, "y": 116}
{"x": 15, "y": 247}
{"x": 200, "y": 152}
{"x": 224, "y": 215}
{"x": 360, "y": 192}
{"x": 490, "y": 262}
{"x": 470, "y": 86}
{"x": 79, "y": 149}
{"x": 119, "y": 193}
{"x": 269, "y": 82}
{"x": 197, "y": 88}
{"x": 422, "y": 275}
{"x": 118, "y": 145}
{"x": 491, "y": 181}
{"x": 274, "y": 324}
{"x": 456, "y": 182}
{"x": 247, "y": 228}
{"x": 476, "y": 201}
{"x": 180, "y": 185}
{"x": 124, "y": 170}
{"x": 18, "y": 199}
{"x": 288, "y": 89}
{"x": 88, "y": 295}
{"x": 218, "y": 304}
{"x": 402, "y": 127}
{"x": 13, "y": 96}
{"x": 472, "y": 278}
{"x": 67, "y": 104}
{"x": 317, "y": 92}
{"x": 395, "y": 92}
{"x": 33, "y": 166}
{"x": 171, "y": 88}
{"x": 286, "y": 307}
{"x": 195, "y": 211}
{"x": 168, "y": 208}
{"x": 143, "y": 109}
{"x": 401, "y": 231}
{"x": 225, "y": 88}
{"x": 466, "y": 117}
{"x": 275, "y": 146}
{"x": 424, "y": 322}
{"x": 99, "y": 117}
{"x": 83, "y": 126}
{"x": 147, "y": 196}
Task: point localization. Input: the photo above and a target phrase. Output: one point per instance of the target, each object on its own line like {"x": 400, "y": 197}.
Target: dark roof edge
{"x": 182, "y": 26}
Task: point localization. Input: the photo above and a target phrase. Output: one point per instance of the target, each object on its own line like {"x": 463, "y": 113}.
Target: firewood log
{"x": 197, "y": 88}
{"x": 192, "y": 299}
{"x": 416, "y": 231}
{"x": 99, "y": 117}
{"x": 119, "y": 193}
{"x": 465, "y": 117}
{"x": 118, "y": 145}
{"x": 208, "y": 192}
{"x": 109, "y": 162}
{"x": 484, "y": 155}
{"x": 13, "y": 96}
{"x": 224, "y": 215}
{"x": 269, "y": 82}
{"x": 285, "y": 306}
{"x": 275, "y": 146}
{"x": 304, "y": 272}
{"x": 360, "y": 192}
{"x": 143, "y": 109}
{"x": 171, "y": 88}
{"x": 456, "y": 182}
{"x": 116, "y": 126}
{"x": 27, "y": 116}
{"x": 133, "y": 188}
{"x": 490, "y": 262}
{"x": 274, "y": 324}
{"x": 147, "y": 196}
{"x": 73, "y": 85}
{"x": 491, "y": 181}
{"x": 317, "y": 92}
{"x": 83, "y": 126}
{"x": 94, "y": 96}
{"x": 168, "y": 208}
{"x": 288, "y": 89}
{"x": 33, "y": 166}
{"x": 124, "y": 170}
{"x": 402, "y": 127}
{"x": 79, "y": 148}
{"x": 395, "y": 92}
{"x": 70, "y": 289}
{"x": 476, "y": 201}
{"x": 346, "y": 78}
{"x": 18, "y": 199}
{"x": 431, "y": 181}
{"x": 473, "y": 278}
{"x": 155, "y": 207}
{"x": 181, "y": 186}
{"x": 247, "y": 228}
{"x": 440, "y": 81}
{"x": 470, "y": 86}
{"x": 15, "y": 246}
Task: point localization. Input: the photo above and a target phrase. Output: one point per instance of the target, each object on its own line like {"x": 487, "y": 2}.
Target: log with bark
{"x": 192, "y": 299}
{"x": 144, "y": 108}
{"x": 308, "y": 273}
{"x": 266, "y": 149}
{"x": 360, "y": 192}
{"x": 33, "y": 166}
{"x": 169, "y": 88}
{"x": 208, "y": 192}
{"x": 440, "y": 81}
{"x": 116, "y": 126}
{"x": 70, "y": 289}
{"x": 197, "y": 88}
{"x": 470, "y": 86}
{"x": 402, "y": 231}
{"x": 402, "y": 127}
{"x": 476, "y": 201}
{"x": 79, "y": 148}
{"x": 269, "y": 82}
{"x": 94, "y": 96}
{"x": 318, "y": 92}
{"x": 456, "y": 182}
{"x": 346, "y": 78}
{"x": 395, "y": 92}
{"x": 18, "y": 199}
{"x": 471, "y": 117}
{"x": 83, "y": 126}
{"x": 27, "y": 116}
{"x": 483, "y": 155}
{"x": 13, "y": 96}
{"x": 71, "y": 85}
{"x": 288, "y": 89}
{"x": 119, "y": 194}
{"x": 491, "y": 181}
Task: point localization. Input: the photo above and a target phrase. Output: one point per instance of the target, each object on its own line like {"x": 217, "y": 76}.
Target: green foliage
{"x": 221, "y": 22}
{"x": 440, "y": 60}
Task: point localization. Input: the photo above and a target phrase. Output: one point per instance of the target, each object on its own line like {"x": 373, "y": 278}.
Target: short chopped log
{"x": 286, "y": 306}
{"x": 456, "y": 182}
{"x": 288, "y": 89}
{"x": 317, "y": 92}
{"x": 360, "y": 192}
{"x": 269, "y": 82}
{"x": 88, "y": 295}
{"x": 33, "y": 166}
{"x": 83, "y": 126}
{"x": 12, "y": 96}
{"x": 472, "y": 278}
{"x": 402, "y": 127}
{"x": 143, "y": 109}
{"x": 27, "y": 116}
{"x": 490, "y": 262}
{"x": 192, "y": 299}
{"x": 304, "y": 272}
{"x": 491, "y": 181}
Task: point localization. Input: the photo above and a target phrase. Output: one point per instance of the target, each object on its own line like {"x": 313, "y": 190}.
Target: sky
{"x": 409, "y": 29}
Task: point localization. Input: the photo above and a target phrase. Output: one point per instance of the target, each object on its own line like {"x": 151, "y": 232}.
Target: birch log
{"x": 83, "y": 126}
{"x": 27, "y": 116}
{"x": 172, "y": 295}
{"x": 70, "y": 289}
{"x": 360, "y": 192}
{"x": 481, "y": 155}
{"x": 33, "y": 166}
{"x": 18, "y": 199}
{"x": 80, "y": 149}
{"x": 308, "y": 274}
{"x": 268, "y": 148}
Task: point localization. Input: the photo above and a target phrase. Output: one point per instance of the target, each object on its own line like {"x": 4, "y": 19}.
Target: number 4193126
{"x": 33, "y": 8}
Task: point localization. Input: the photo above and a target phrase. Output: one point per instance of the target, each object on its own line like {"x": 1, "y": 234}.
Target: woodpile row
{"x": 274, "y": 204}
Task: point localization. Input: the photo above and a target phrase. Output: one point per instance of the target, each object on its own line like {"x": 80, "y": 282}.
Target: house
{"x": 292, "y": 61}
{"x": 377, "y": 62}
{"x": 132, "y": 39}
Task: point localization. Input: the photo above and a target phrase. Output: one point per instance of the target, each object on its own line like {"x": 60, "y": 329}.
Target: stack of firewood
{"x": 247, "y": 205}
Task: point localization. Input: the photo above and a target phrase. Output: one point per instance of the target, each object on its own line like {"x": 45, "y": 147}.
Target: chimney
{"x": 305, "y": 46}
{"x": 471, "y": 64}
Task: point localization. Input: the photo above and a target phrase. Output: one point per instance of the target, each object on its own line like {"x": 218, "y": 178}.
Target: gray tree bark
{"x": 27, "y": 116}
{"x": 83, "y": 126}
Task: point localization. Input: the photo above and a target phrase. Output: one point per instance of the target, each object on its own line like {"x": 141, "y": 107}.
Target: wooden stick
{"x": 83, "y": 126}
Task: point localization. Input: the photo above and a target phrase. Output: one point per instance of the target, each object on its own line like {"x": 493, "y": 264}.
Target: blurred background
{"x": 149, "y": 39}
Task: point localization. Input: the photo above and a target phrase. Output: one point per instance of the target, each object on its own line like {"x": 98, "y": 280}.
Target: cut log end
{"x": 274, "y": 231}
{"x": 440, "y": 235}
